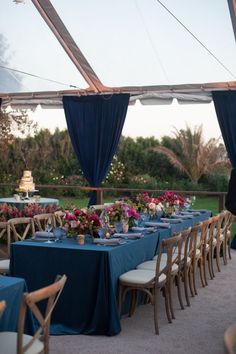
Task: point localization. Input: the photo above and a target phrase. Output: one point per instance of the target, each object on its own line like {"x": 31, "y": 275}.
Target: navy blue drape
{"x": 95, "y": 124}
{"x": 225, "y": 106}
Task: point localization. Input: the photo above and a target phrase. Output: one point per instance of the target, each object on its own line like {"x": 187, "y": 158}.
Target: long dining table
{"x": 88, "y": 303}
{"x": 12, "y": 290}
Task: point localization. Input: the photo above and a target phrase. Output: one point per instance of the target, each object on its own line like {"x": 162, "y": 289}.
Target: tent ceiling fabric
{"x": 147, "y": 95}
{"x": 50, "y": 16}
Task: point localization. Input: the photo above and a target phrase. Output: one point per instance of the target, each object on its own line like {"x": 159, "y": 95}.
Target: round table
{"x": 20, "y": 204}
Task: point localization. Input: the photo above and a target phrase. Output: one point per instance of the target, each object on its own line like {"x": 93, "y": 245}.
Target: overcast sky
{"x": 127, "y": 42}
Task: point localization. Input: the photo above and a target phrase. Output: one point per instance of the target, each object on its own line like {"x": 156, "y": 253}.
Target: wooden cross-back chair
{"x": 230, "y": 339}
{"x": 171, "y": 254}
{"x": 230, "y": 219}
{"x": 59, "y": 214}
{"x": 43, "y": 220}
{"x": 4, "y": 263}
{"x": 20, "y": 228}
{"x": 151, "y": 280}
{"x": 20, "y": 343}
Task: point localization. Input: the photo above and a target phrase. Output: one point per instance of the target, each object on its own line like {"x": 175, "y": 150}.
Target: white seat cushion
{"x": 138, "y": 276}
{"x": 8, "y": 343}
{"x": 4, "y": 265}
{"x": 151, "y": 265}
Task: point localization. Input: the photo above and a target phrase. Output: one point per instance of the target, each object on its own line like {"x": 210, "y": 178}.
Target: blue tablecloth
{"x": 88, "y": 302}
{"x": 20, "y": 204}
{"x": 11, "y": 290}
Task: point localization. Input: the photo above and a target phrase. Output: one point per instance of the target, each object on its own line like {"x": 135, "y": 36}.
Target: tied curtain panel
{"x": 95, "y": 124}
{"x": 225, "y": 106}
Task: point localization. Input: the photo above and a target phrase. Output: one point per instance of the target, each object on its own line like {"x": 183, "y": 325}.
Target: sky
{"x": 127, "y": 42}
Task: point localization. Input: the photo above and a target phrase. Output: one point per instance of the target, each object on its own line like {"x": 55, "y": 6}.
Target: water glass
{"x": 118, "y": 227}
{"x": 57, "y": 232}
{"x": 101, "y": 232}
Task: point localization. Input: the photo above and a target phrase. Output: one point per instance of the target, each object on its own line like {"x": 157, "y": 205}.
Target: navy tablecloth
{"x": 11, "y": 290}
{"x": 88, "y": 303}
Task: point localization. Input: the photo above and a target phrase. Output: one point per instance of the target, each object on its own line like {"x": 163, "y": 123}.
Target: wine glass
{"x": 57, "y": 232}
{"x": 49, "y": 229}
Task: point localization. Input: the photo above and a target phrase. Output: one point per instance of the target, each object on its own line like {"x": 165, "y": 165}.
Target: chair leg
{"x": 186, "y": 285}
{"x": 201, "y": 274}
{"x": 167, "y": 305}
{"x": 170, "y": 298}
{"x": 218, "y": 257}
{"x": 178, "y": 283}
{"x": 156, "y": 303}
{"x": 194, "y": 276}
{"x": 229, "y": 249}
{"x": 210, "y": 264}
{"x": 120, "y": 295}
{"x": 190, "y": 281}
{"x": 224, "y": 245}
{"x": 133, "y": 304}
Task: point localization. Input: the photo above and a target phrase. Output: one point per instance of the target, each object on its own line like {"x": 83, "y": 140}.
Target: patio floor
{"x": 198, "y": 329}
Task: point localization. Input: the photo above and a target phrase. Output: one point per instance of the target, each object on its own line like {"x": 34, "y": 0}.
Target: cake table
{"x": 20, "y": 204}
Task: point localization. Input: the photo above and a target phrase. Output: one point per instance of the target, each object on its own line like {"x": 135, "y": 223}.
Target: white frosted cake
{"x": 26, "y": 182}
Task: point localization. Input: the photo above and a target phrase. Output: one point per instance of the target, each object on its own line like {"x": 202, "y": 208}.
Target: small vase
{"x": 118, "y": 227}
{"x": 125, "y": 228}
{"x": 81, "y": 239}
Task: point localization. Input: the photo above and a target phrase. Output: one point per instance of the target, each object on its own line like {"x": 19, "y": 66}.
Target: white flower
{"x": 152, "y": 206}
{"x": 159, "y": 207}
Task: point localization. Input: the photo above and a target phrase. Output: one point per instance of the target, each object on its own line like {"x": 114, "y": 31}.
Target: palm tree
{"x": 189, "y": 154}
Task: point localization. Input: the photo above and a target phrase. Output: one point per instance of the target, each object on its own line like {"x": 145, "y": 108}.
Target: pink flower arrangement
{"x": 121, "y": 211}
{"x": 169, "y": 203}
{"x": 82, "y": 221}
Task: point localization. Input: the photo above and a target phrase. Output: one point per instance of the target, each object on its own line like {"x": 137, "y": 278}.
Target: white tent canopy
{"x": 151, "y": 94}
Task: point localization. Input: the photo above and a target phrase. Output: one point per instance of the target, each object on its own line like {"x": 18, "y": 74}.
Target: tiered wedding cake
{"x": 26, "y": 182}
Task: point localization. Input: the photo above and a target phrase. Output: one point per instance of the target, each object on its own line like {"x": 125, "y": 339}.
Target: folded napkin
{"x": 184, "y": 217}
{"x": 130, "y": 236}
{"x": 44, "y": 234}
{"x": 195, "y": 213}
{"x": 171, "y": 221}
{"x": 158, "y": 224}
{"x": 107, "y": 241}
{"x": 143, "y": 228}
{"x": 202, "y": 211}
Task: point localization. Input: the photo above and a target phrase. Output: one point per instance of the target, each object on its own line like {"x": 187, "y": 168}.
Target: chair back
{"x": 3, "y": 231}
{"x": 172, "y": 247}
{"x": 59, "y": 215}
{"x": 227, "y": 222}
{"x": 185, "y": 245}
{"x": 2, "y": 307}
{"x": 230, "y": 339}
{"x": 30, "y": 300}
{"x": 19, "y": 228}
{"x": 203, "y": 234}
{"x": 213, "y": 228}
{"x": 195, "y": 231}
{"x": 43, "y": 220}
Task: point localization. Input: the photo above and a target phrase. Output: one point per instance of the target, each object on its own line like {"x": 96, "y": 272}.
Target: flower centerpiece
{"x": 121, "y": 211}
{"x": 170, "y": 203}
{"x": 81, "y": 221}
{"x": 148, "y": 205}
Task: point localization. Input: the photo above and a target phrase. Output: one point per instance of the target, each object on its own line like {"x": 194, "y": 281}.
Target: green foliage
{"x": 51, "y": 158}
